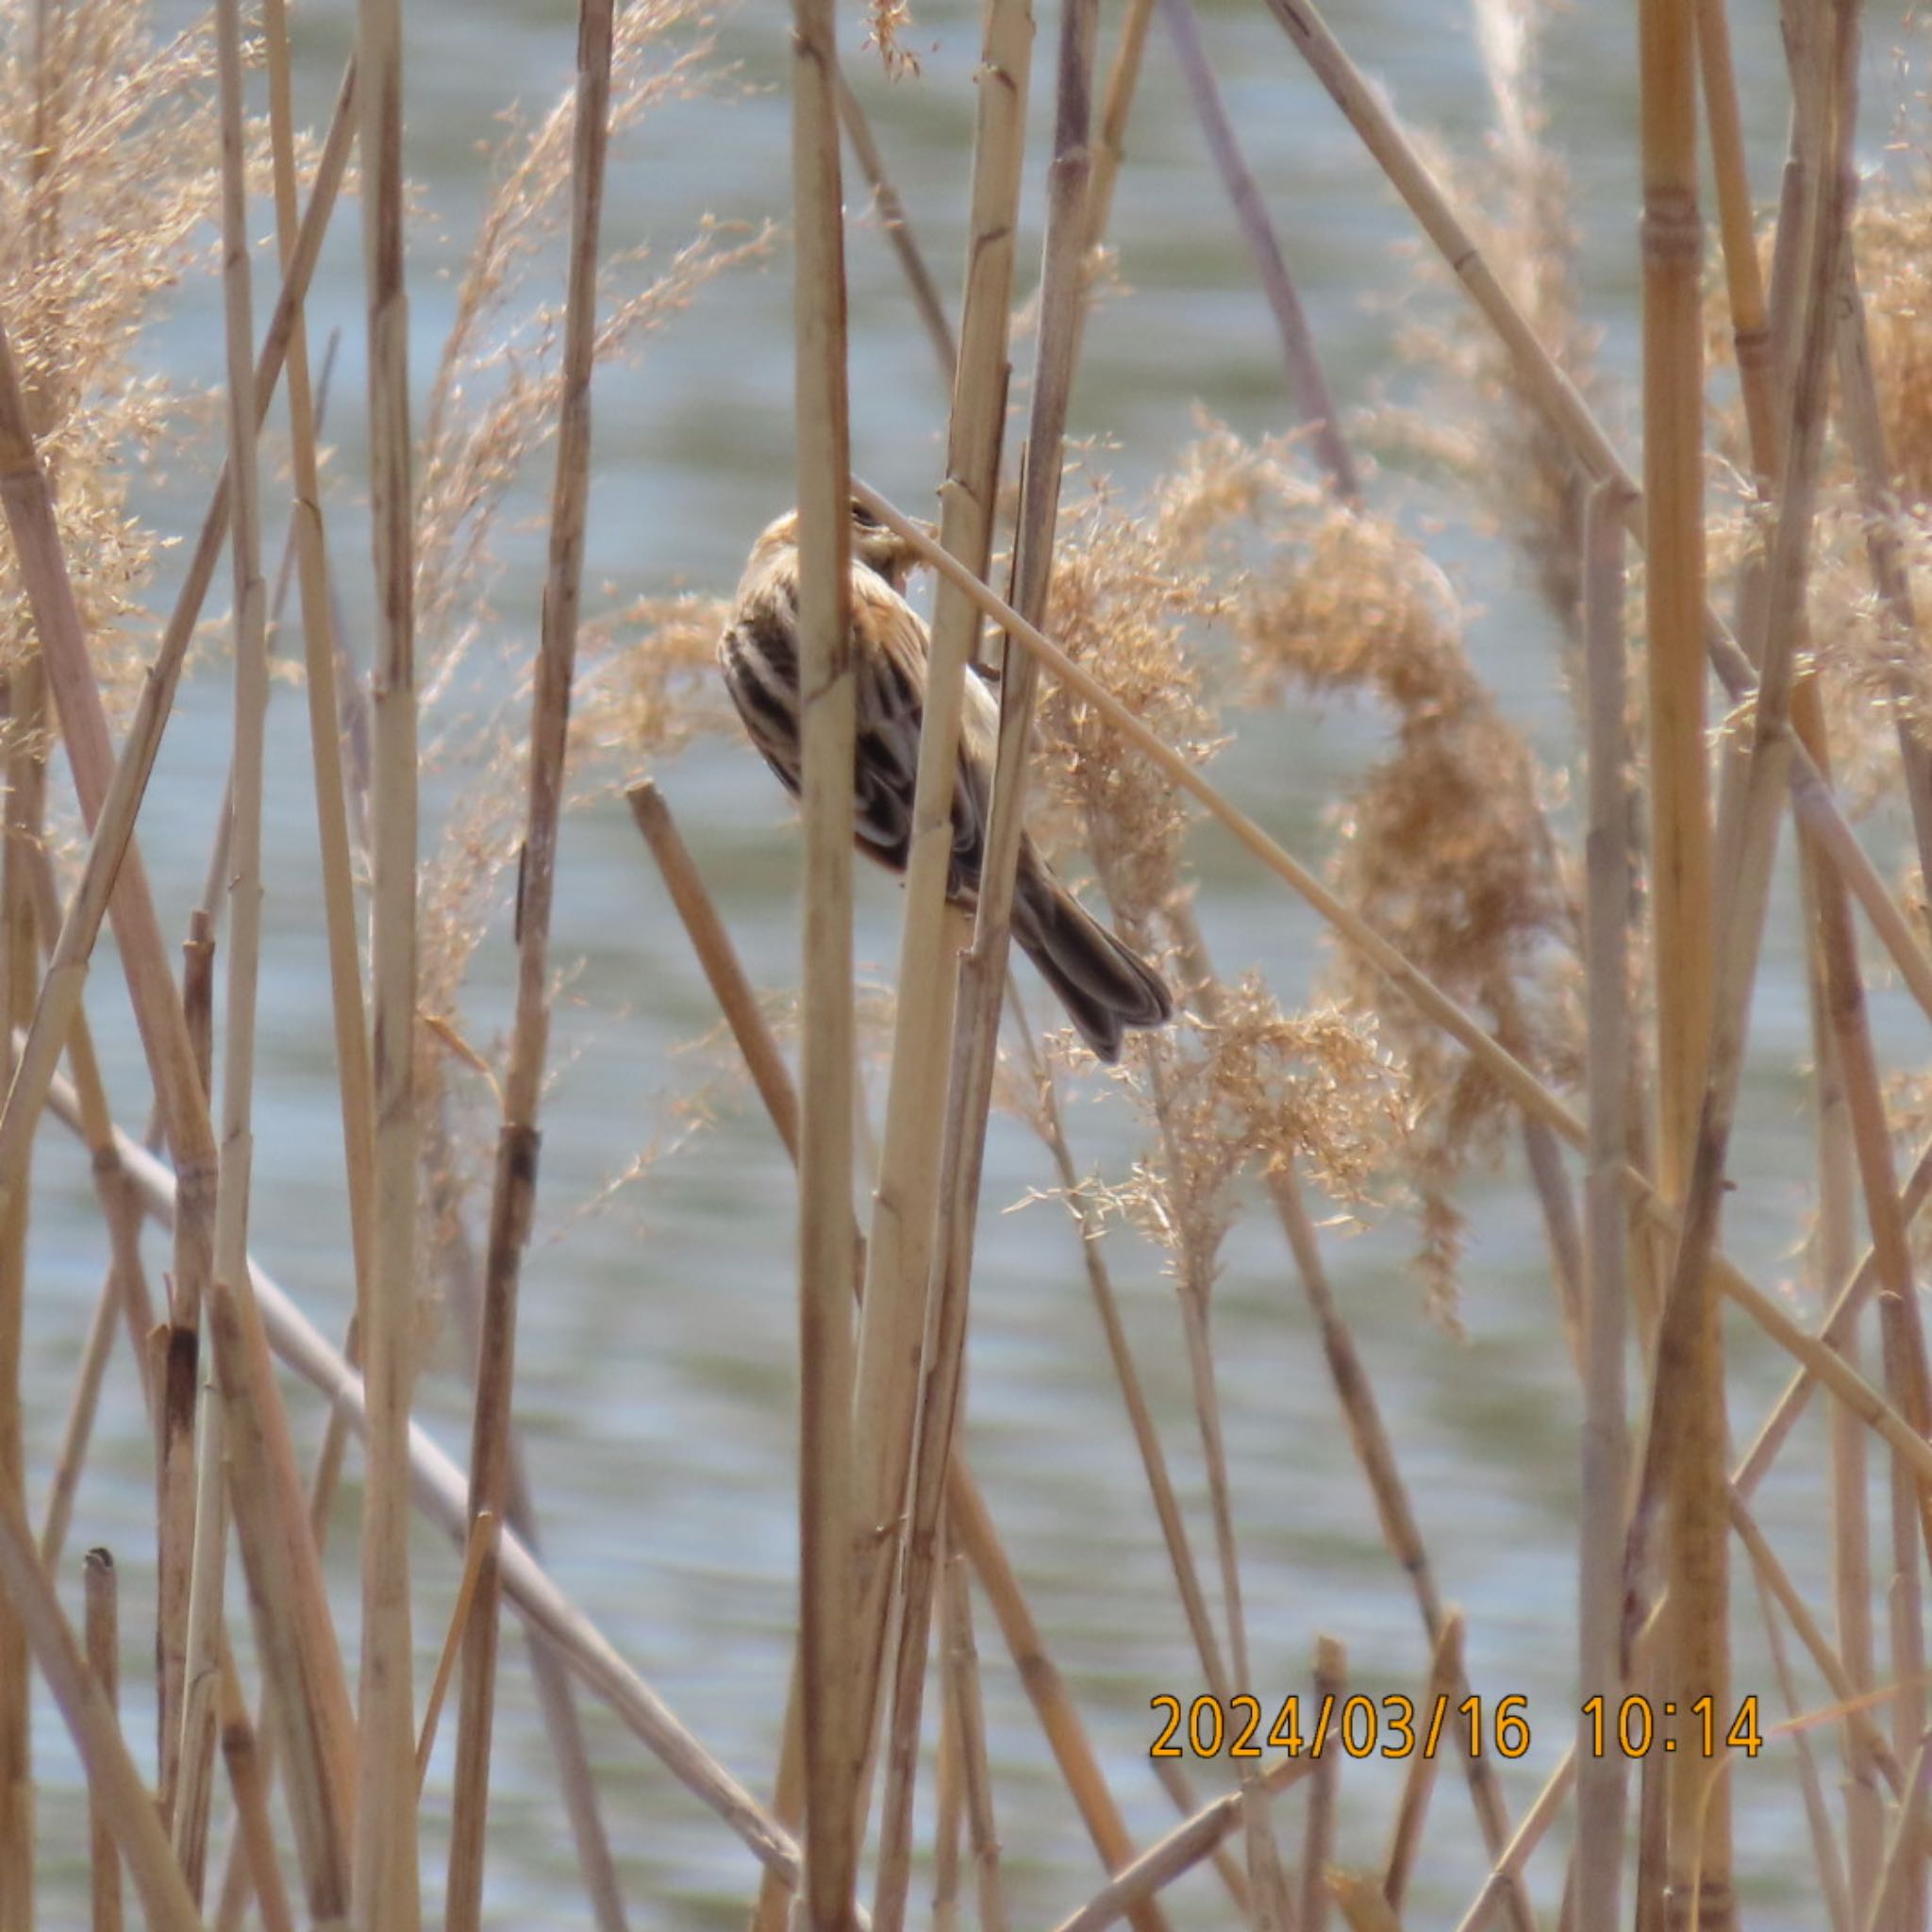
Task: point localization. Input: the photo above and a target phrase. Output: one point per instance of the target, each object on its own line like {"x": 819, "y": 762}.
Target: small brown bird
{"x": 1104, "y": 985}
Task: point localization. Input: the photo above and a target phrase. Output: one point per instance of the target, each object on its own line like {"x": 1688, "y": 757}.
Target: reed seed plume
{"x": 109, "y": 185}
{"x": 1443, "y": 845}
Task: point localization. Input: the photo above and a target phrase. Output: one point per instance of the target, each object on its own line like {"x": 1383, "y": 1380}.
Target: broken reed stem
{"x": 386, "y": 1872}
{"x": 971, "y": 1523}
{"x": 1306, "y": 382}
{"x": 1446, "y": 1676}
{"x": 983, "y": 969}
{"x": 1510, "y": 1074}
{"x": 927, "y": 301}
{"x": 1318, "y": 1838}
{"x": 117, "y": 1795}
{"x": 480, "y": 1549}
{"x": 899, "y": 1245}
{"x": 829, "y": 1511}
{"x": 1608, "y": 913}
{"x": 102, "y": 1637}
{"x": 1133, "y": 1888}
{"x": 512, "y": 1205}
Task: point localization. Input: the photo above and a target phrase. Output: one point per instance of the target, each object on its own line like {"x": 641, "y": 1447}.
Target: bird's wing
{"x": 890, "y": 646}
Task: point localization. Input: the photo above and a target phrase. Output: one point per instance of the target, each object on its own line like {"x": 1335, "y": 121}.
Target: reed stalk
{"x": 1530, "y": 1834}
{"x": 319, "y": 648}
{"x": 25, "y": 704}
{"x": 177, "y": 1350}
{"x": 513, "y": 1204}
{"x": 983, "y": 969}
{"x": 1132, "y": 1888}
{"x": 1307, "y": 383}
{"x": 254, "y": 1829}
{"x": 830, "y": 1521}
{"x": 904, "y": 1202}
{"x": 1609, "y": 911}
{"x": 386, "y": 1871}
{"x": 1419, "y": 1777}
{"x": 230, "y": 1258}
{"x": 962, "y": 1670}
{"x": 1318, "y": 1837}
{"x": 117, "y": 1797}
{"x": 101, "y": 1628}
{"x": 1167, "y": 1508}
{"x": 479, "y": 1550}
{"x": 1831, "y": 1873}
{"x": 927, "y": 301}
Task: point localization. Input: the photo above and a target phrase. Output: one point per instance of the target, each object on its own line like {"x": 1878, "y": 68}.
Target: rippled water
{"x": 656, "y": 1365}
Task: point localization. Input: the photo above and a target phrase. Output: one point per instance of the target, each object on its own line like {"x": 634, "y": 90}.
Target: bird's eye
{"x": 864, "y": 517}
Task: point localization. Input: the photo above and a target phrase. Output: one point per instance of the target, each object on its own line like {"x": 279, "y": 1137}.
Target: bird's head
{"x": 873, "y": 544}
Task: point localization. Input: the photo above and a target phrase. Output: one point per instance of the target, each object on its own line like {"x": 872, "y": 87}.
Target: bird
{"x": 1104, "y": 986}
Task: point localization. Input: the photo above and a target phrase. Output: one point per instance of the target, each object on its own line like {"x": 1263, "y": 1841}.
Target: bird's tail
{"x": 1105, "y": 985}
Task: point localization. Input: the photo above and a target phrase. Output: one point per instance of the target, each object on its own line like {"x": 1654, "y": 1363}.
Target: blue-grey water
{"x": 656, "y": 1370}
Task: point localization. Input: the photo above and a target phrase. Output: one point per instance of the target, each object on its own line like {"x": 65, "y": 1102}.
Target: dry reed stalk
{"x": 970, "y": 1523}
{"x": 1851, "y": 1536}
{"x": 1146, "y": 1438}
{"x": 1306, "y": 382}
{"x": 1176, "y": 1783}
{"x": 1903, "y": 1850}
{"x": 1132, "y": 1890}
{"x": 230, "y": 1260}
{"x": 829, "y": 1509}
{"x": 26, "y": 700}
{"x": 485, "y": 1539}
{"x": 1318, "y": 1837}
{"x": 1530, "y": 1834}
{"x": 386, "y": 1870}
{"x": 1109, "y": 145}
{"x": 949, "y": 1821}
{"x": 983, "y": 969}
{"x": 1697, "y": 1549}
{"x": 253, "y": 1828}
{"x": 117, "y": 1797}
{"x": 1517, "y": 1080}
{"x": 927, "y": 301}
{"x": 1412, "y": 1810}
{"x": 904, "y": 1202}
{"x": 101, "y": 1628}
{"x": 307, "y": 407}
{"x": 76, "y": 1431}
{"x": 178, "y": 1350}
{"x": 1831, "y": 1872}
{"x": 1610, "y": 910}
{"x": 1834, "y": 1332}
{"x": 1361, "y": 1901}
{"x": 512, "y": 1205}
{"x": 962, "y": 1672}
{"x": 290, "y": 1614}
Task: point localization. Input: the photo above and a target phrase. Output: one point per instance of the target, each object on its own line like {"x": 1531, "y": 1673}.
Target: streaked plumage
{"x": 1104, "y": 986}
